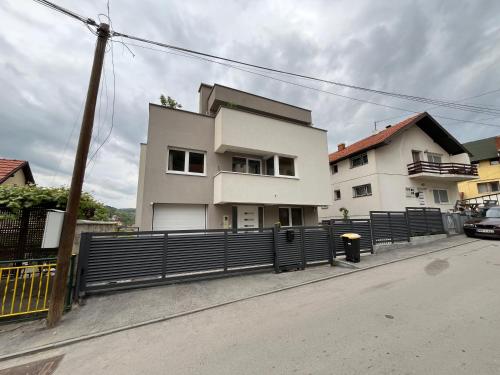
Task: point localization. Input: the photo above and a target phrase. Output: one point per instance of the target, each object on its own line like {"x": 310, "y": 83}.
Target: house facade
{"x": 15, "y": 172}
{"x": 242, "y": 161}
{"x": 485, "y": 155}
{"x": 413, "y": 163}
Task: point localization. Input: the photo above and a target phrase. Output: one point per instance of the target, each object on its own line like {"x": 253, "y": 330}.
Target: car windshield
{"x": 493, "y": 212}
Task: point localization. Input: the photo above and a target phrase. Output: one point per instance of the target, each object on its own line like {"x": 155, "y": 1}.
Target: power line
{"x": 60, "y": 9}
{"x": 460, "y": 100}
{"x": 302, "y": 85}
{"x": 438, "y": 102}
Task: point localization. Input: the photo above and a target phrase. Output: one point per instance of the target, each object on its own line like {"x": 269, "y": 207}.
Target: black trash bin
{"x": 351, "y": 247}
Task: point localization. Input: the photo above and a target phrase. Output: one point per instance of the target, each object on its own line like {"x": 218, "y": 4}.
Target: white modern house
{"x": 241, "y": 161}
{"x": 413, "y": 163}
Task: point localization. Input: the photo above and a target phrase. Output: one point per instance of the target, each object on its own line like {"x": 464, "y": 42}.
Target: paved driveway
{"x": 436, "y": 314}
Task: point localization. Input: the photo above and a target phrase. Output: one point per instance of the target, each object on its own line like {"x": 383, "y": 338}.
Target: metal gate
{"x": 424, "y": 221}
{"x": 389, "y": 227}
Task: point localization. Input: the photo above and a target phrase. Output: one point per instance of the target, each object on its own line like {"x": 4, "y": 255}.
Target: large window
{"x": 361, "y": 190}
{"x": 286, "y": 166}
{"x": 246, "y": 165}
{"x": 434, "y": 158}
{"x": 488, "y": 187}
{"x": 270, "y": 166}
{"x": 359, "y": 160}
{"x": 186, "y": 162}
{"x": 290, "y": 216}
{"x": 440, "y": 196}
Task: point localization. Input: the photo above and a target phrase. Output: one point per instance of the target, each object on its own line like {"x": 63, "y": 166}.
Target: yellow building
{"x": 485, "y": 154}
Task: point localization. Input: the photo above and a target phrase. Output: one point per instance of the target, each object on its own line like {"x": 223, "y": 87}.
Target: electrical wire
{"x": 60, "y": 9}
{"x": 304, "y": 86}
{"x": 438, "y": 102}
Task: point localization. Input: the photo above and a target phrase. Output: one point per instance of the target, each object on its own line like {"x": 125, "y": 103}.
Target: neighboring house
{"x": 15, "y": 172}
{"x": 243, "y": 161}
{"x": 404, "y": 165}
{"x": 485, "y": 154}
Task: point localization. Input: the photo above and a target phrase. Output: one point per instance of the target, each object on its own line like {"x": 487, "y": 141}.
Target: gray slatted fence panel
{"x": 252, "y": 249}
{"x": 189, "y": 253}
{"x": 124, "y": 258}
{"x": 289, "y": 253}
{"x": 389, "y": 227}
{"x": 316, "y": 244}
{"x": 424, "y": 221}
{"x": 361, "y": 227}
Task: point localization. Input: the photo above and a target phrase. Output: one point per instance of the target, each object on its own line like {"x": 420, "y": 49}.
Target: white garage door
{"x": 179, "y": 216}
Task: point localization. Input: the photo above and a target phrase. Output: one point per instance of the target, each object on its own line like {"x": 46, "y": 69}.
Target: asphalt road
{"x": 436, "y": 314}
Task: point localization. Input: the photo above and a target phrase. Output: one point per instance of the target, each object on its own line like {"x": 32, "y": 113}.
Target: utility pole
{"x": 57, "y": 297}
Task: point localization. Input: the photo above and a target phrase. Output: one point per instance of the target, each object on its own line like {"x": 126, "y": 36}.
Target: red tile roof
{"x": 373, "y": 140}
{"x": 9, "y": 166}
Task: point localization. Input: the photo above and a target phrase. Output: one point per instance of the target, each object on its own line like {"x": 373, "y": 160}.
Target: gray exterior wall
{"x": 193, "y": 131}
{"x": 254, "y": 103}
{"x": 174, "y": 127}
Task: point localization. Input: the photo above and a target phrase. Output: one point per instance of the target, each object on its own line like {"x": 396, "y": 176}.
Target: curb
{"x": 62, "y": 343}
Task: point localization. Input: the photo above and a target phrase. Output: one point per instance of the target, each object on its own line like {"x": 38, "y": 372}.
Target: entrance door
{"x": 248, "y": 216}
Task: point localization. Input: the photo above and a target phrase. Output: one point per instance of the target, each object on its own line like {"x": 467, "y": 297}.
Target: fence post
{"x": 164, "y": 257}
{"x": 23, "y": 233}
{"x": 83, "y": 257}
{"x": 225, "y": 250}
{"x": 390, "y": 226}
{"x": 276, "y": 229}
{"x": 331, "y": 244}
{"x": 408, "y": 224}
{"x": 302, "y": 247}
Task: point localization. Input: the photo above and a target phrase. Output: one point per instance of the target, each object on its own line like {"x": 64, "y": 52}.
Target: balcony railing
{"x": 442, "y": 168}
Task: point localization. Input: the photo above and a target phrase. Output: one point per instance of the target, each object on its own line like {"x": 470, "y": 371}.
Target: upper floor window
{"x": 246, "y": 165}
{"x": 334, "y": 168}
{"x": 336, "y": 195}
{"x": 186, "y": 162}
{"x": 488, "y": 187}
{"x": 415, "y": 155}
{"x": 286, "y": 166}
{"x": 440, "y": 196}
{"x": 359, "y": 160}
{"x": 361, "y": 190}
{"x": 434, "y": 158}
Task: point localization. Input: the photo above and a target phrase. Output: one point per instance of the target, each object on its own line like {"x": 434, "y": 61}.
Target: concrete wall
{"x": 387, "y": 171}
{"x": 486, "y": 172}
{"x": 173, "y": 127}
{"x": 244, "y": 100}
{"x": 344, "y": 181}
{"x": 17, "y": 180}
{"x": 140, "y": 185}
{"x": 237, "y": 131}
{"x": 83, "y": 226}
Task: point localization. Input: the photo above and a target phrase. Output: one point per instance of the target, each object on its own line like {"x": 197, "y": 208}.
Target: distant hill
{"x": 125, "y": 215}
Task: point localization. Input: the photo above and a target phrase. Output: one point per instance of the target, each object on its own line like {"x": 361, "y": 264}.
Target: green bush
{"x": 18, "y": 197}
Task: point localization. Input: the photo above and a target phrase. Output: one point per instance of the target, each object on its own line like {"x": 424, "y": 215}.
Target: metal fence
{"x": 25, "y": 286}
{"x": 21, "y": 234}
{"x": 109, "y": 261}
{"x": 389, "y": 227}
{"x": 424, "y": 221}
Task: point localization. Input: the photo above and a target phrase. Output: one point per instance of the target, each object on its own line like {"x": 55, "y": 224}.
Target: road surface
{"x": 436, "y": 314}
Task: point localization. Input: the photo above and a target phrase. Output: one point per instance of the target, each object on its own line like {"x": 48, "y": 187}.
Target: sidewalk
{"x": 118, "y": 311}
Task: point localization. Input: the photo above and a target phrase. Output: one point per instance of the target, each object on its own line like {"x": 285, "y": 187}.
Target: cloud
{"x": 447, "y": 49}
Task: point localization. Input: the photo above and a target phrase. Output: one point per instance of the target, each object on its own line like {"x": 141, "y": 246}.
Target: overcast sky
{"x": 438, "y": 49}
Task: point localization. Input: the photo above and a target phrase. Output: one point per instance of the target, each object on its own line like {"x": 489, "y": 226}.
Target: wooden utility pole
{"x": 57, "y": 297}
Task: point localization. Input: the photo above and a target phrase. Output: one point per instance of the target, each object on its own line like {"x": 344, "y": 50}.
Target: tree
{"x": 169, "y": 102}
{"x": 18, "y": 197}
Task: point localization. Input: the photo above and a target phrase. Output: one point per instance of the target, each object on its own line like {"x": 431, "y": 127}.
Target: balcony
{"x": 244, "y": 188}
{"x": 442, "y": 171}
